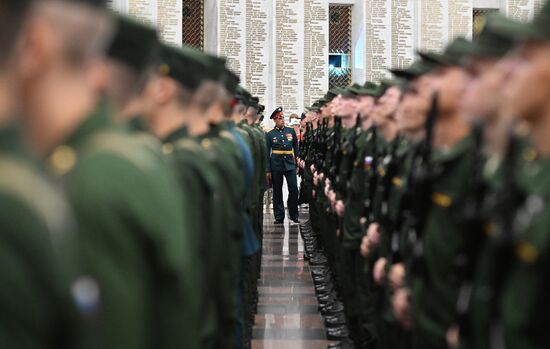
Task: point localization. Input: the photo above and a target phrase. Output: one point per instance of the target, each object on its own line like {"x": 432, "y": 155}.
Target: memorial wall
{"x": 166, "y": 15}
{"x": 279, "y": 48}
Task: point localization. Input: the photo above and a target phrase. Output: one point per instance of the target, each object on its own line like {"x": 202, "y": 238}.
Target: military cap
{"x": 330, "y": 95}
{"x": 255, "y": 103}
{"x": 415, "y": 70}
{"x": 230, "y": 81}
{"x": 133, "y": 44}
{"x": 213, "y": 67}
{"x": 94, "y": 3}
{"x": 243, "y": 96}
{"x": 276, "y": 113}
{"x": 386, "y": 84}
{"x": 453, "y": 54}
{"x": 172, "y": 62}
{"x": 348, "y": 92}
{"x": 538, "y": 29}
{"x": 368, "y": 89}
{"x": 491, "y": 42}
{"x": 315, "y": 106}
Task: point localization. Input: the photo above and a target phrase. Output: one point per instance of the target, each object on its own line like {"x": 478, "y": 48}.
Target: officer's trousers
{"x": 278, "y": 205}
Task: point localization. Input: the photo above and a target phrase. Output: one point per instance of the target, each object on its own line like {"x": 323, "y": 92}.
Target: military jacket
{"x": 200, "y": 182}
{"x": 282, "y": 149}
{"x": 435, "y": 291}
{"x": 38, "y": 255}
{"x": 524, "y": 304}
{"x": 134, "y": 240}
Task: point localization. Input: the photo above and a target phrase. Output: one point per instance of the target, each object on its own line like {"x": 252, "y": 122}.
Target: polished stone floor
{"x": 287, "y": 309}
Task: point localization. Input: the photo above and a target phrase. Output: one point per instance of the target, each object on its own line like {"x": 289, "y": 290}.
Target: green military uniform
{"x": 201, "y": 182}
{"x": 38, "y": 256}
{"x": 434, "y": 293}
{"x": 134, "y": 240}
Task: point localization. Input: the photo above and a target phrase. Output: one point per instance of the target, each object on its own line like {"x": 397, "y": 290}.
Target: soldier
{"x": 134, "y": 241}
{"x": 176, "y": 119}
{"x": 37, "y": 240}
{"x": 523, "y": 303}
{"x": 282, "y": 149}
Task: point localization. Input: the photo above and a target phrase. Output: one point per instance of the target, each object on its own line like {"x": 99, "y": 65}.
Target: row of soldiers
{"x": 429, "y": 197}
{"x": 131, "y": 186}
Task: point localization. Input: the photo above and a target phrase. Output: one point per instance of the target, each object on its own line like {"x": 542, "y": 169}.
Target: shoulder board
{"x": 122, "y": 145}
{"x": 188, "y": 144}
{"x": 227, "y": 134}
{"x": 35, "y": 191}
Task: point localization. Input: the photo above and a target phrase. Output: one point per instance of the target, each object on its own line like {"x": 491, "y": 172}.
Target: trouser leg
{"x": 292, "y": 182}
{"x": 278, "y": 205}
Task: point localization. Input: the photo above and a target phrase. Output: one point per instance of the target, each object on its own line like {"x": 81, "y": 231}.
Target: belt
{"x": 282, "y": 152}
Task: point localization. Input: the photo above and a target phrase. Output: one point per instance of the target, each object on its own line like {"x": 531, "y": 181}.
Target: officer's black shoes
{"x": 327, "y": 287}
{"x": 321, "y": 279}
{"x": 326, "y": 299}
{"x": 333, "y": 308}
{"x": 295, "y": 221}
{"x": 278, "y": 222}
{"x": 344, "y": 344}
{"x": 335, "y": 320}
{"x": 320, "y": 271}
{"x": 318, "y": 259}
{"x": 340, "y": 332}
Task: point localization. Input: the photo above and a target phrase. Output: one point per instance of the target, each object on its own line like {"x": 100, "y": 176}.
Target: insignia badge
{"x": 368, "y": 162}
{"x": 289, "y": 136}
{"x": 274, "y": 139}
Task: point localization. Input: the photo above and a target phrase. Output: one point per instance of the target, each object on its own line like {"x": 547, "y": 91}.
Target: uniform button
{"x": 168, "y": 149}
{"x": 63, "y": 159}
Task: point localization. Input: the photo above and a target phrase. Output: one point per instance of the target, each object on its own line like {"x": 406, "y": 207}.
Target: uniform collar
{"x": 175, "y": 135}
{"x": 10, "y": 139}
{"x": 100, "y": 119}
{"x": 138, "y": 124}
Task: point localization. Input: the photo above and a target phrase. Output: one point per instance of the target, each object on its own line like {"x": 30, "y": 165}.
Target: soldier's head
{"x": 387, "y": 103}
{"x": 63, "y": 67}
{"x": 481, "y": 97}
{"x": 12, "y": 17}
{"x": 527, "y": 85}
{"x": 278, "y": 117}
{"x": 252, "y": 111}
{"x": 131, "y": 58}
{"x": 169, "y": 95}
{"x": 450, "y": 76}
{"x": 413, "y": 109}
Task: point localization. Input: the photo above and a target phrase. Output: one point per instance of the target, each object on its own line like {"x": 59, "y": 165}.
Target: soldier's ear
{"x": 164, "y": 90}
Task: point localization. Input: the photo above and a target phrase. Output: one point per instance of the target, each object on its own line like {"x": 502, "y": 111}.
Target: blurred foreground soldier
{"x": 130, "y": 62}
{"x": 133, "y": 241}
{"x": 175, "y": 116}
{"x": 282, "y": 150}
{"x": 37, "y": 232}
{"x": 524, "y": 303}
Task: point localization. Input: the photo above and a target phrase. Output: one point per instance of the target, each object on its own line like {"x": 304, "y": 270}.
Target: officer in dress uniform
{"x": 282, "y": 149}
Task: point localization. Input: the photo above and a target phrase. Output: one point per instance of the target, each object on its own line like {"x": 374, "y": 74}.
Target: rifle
{"x": 345, "y": 182}
{"x": 505, "y": 202}
{"x": 336, "y": 151}
{"x": 381, "y": 208}
{"x": 368, "y": 205}
{"x": 421, "y": 179}
{"x": 474, "y": 222}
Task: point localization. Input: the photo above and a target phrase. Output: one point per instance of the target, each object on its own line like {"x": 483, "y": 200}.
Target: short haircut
{"x": 84, "y": 30}
{"x": 12, "y": 17}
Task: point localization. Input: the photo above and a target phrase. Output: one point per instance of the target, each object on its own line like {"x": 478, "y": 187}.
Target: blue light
{"x": 331, "y": 66}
